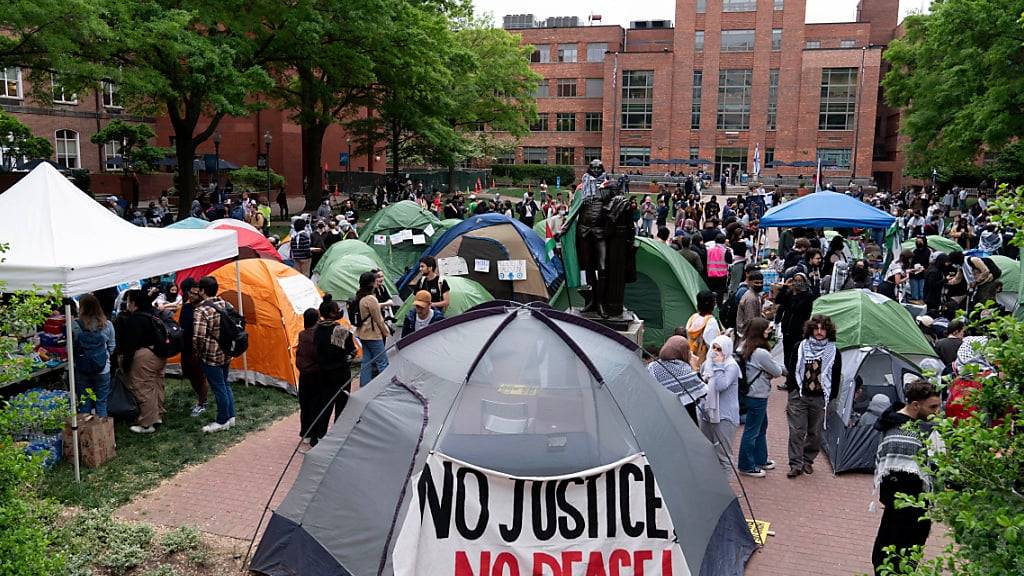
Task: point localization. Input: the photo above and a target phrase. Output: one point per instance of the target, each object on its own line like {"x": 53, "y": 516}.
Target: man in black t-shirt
{"x": 432, "y": 282}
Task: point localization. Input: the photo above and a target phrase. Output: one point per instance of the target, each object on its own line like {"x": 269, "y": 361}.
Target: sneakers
{"x": 808, "y": 469}
{"x": 769, "y": 465}
{"x": 756, "y": 473}
{"x": 794, "y": 472}
{"x": 231, "y": 421}
{"x": 198, "y": 409}
{"x": 215, "y": 427}
{"x": 142, "y": 429}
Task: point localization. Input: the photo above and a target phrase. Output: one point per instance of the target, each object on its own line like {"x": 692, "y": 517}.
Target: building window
{"x": 67, "y": 149}
{"x": 698, "y": 93}
{"x": 737, "y": 40}
{"x": 739, "y": 5}
{"x": 110, "y": 99}
{"x": 847, "y": 43}
{"x": 112, "y": 159}
{"x": 694, "y": 153}
{"x": 541, "y": 125}
{"x": 505, "y": 158}
{"x": 566, "y": 88}
{"x": 635, "y": 156}
{"x": 566, "y": 52}
{"x": 780, "y": 4}
{"x": 698, "y": 41}
{"x": 777, "y": 39}
{"x": 838, "y": 99}
{"x": 565, "y": 122}
{"x": 535, "y": 155}
{"x": 734, "y": 99}
{"x": 596, "y": 50}
{"x": 60, "y": 96}
{"x": 565, "y": 156}
{"x": 773, "y": 99}
{"x": 542, "y": 89}
{"x": 838, "y": 158}
{"x": 769, "y": 157}
{"x": 590, "y": 154}
{"x": 593, "y": 121}
{"x": 637, "y": 99}
{"x": 10, "y": 83}
{"x": 541, "y": 55}
{"x": 702, "y": 6}
{"x": 812, "y": 44}
{"x": 595, "y": 87}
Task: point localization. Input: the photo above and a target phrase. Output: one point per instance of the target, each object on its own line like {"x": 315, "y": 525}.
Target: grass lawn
{"x": 144, "y": 460}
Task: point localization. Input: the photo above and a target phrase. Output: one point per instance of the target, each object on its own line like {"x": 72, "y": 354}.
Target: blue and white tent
{"x": 826, "y": 210}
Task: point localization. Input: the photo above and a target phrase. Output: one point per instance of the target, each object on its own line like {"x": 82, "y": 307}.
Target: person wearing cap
{"x": 421, "y": 315}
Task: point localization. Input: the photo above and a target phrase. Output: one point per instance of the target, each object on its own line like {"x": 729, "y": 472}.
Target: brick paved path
{"x": 821, "y": 522}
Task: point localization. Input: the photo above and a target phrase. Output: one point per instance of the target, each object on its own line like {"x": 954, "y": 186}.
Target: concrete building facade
{"x": 728, "y": 78}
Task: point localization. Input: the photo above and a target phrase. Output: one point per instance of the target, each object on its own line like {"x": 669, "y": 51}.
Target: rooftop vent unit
{"x": 650, "y": 24}
{"x": 562, "y": 22}
{"x": 519, "y": 21}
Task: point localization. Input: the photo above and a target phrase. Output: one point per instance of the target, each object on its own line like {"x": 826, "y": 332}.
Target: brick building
{"x": 729, "y": 77}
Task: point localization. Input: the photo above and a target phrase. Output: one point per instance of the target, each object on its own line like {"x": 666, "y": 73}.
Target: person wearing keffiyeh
{"x": 818, "y": 373}
{"x": 673, "y": 371}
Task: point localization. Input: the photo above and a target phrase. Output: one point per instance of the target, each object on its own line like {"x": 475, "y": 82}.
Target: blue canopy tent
{"x": 826, "y": 210}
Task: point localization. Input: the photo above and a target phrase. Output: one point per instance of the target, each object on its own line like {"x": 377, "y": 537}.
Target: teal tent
{"x": 664, "y": 295}
{"x": 191, "y": 223}
{"x": 465, "y": 294}
{"x": 341, "y": 278}
{"x": 865, "y": 318}
{"x": 397, "y": 258}
{"x": 346, "y": 248}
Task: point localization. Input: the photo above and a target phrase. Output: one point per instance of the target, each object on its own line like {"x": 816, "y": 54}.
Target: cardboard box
{"x": 95, "y": 440}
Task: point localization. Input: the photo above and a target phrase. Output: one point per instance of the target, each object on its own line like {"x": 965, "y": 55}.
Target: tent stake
{"x": 71, "y": 389}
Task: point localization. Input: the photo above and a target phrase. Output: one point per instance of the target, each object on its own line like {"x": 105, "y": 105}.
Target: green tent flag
{"x": 940, "y": 243}
{"x": 864, "y": 318}
{"x": 570, "y": 262}
{"x": 340, "y": 278}
{"x": 346, "y": 248}
{"x": 465, "y": 294}
{"x": 664, "y": 295}
{"x": 405, "y": 215}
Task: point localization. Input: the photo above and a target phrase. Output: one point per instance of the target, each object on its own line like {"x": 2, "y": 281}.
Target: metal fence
{"x": 366, "y": 181}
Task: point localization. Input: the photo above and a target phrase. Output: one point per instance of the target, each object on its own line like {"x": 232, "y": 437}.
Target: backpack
{"x": 233, "y": 340}
{"x": 169, "y": 337}
{"x": 355, "y": 317}
{"x": 744, "y": 383}
{"x": 90, "y": 350}
{"x": 731, "y": 306}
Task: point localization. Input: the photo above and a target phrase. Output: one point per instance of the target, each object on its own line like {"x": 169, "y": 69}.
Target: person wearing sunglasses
{"x": 720, "y": 411}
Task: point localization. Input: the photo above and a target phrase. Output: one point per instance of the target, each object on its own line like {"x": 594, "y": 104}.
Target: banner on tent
{"x": 467, "y": 521}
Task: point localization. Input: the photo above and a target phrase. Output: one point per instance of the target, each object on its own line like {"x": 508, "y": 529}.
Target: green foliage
{"x": 161, "y": 570}
{"x": 136, "y": 151}
{"x": 534, "y": 173}
{"x": 20, "y": 141}
{"x": 95, "y": 537}
{"x": 1009, "y": 165}
{"x": 958, "y": 73}
{"x": 181, "y": 539}
{"x": 249, "y": 179}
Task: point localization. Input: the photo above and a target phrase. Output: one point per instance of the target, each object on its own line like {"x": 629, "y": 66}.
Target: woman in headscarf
{"x": 819, "y": 370}
{"x": 720, "y": 414}
{"x": 673, "y": 371}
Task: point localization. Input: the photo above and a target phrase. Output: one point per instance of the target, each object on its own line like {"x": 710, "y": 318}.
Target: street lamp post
{"x": 216, "y": 153}
{"x": 348, "y": 168}
{"x": 267, "y": 139}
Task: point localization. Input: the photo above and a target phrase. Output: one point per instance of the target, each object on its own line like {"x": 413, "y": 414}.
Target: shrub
{"x": 534, "y": 173}
{"x": 249, "y": 179}
{"x": 181, "y": 539}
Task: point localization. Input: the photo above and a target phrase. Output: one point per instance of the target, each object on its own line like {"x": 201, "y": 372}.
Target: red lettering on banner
{"x": 464, "y": 568}
{"x": 618, "y": 559}
{"x": 568, "y": 559}
{"x": 595, "y": 564}
{"x": 666, "y": 562}
{"x": 505, "y": 560}
{"x": 542, "y": 561}
{"x": 639, "y": 558}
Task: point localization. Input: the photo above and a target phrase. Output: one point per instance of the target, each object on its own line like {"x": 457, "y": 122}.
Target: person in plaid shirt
{"x": 213, "y": 360}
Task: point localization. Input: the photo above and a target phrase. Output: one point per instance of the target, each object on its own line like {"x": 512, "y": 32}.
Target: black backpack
{"x": 744, "y": 383}
{"x": 731, "y": 306}
{"x": 355, "y": 317}
{"x": 233, "y": 339}
{"x": 169, "y": 337}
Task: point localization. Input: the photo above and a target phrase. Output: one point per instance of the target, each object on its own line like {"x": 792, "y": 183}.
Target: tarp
{"x": 520, "y": 391}
{"x": 938, "y": 243}
{"x": 398, "y": 257}
{"x": 59, "y": 235}
{"x": 340, "y": 278}
{"x": 664, "y": 295}
{"x": 465, "y": 294}
{"x": 251, "y": 244}
{"x": 826, "y": 210}
{"x": 865, "y": 318}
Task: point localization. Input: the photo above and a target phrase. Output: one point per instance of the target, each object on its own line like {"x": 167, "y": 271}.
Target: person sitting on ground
{"x": 673, "y": 371}
{"x": 421, "y": 315}
{"x": 879, "y": 404}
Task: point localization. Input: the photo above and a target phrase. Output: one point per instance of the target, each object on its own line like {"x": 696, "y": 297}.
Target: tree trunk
{"x": 185, "y": 150}
{"x": 396, "y": 137}
{"x": 451, "y": 178}
{"x": 312, "y": 168}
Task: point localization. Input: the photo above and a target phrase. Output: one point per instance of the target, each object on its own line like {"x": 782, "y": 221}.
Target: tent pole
{"x": 241, "y": 310}
{"x": 71, "y": 389}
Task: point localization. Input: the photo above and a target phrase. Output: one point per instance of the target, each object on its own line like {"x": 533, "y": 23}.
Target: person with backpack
{"x": 191, "y": 368}
{"x": 420, "y": 315}
{"x": 371, "y": 329}
{"x": 702, "y": 328}
{"x": 757, "y": 369}
{"x": 431, "y": 281}
{"x": 216, "y": 327}
{"x": 138, "y": 334}
{"x": 94, "y": 342}
{"x": 720, "y": 411}
{"x": 302, "y": 247}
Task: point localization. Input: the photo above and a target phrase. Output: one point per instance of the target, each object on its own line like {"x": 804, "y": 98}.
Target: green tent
{"x": 664, "y": 295}
{"x": 341, "y": 277}
{"x": 346, "y": 248}
{"x": 865, "y": 318}
{"x": 450, "y": 222}
{"x": 940, "y": 243}
{"x": 1011, "y": 273}
{"x": 465, "y": 294}
{"x": 404, "y": 215}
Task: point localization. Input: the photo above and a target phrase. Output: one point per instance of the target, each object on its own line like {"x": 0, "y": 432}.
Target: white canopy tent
{"x": 58, "y": 235}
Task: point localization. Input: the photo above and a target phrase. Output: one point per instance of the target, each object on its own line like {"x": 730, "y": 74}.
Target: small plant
{"x": 198, "y": 557}
{"x": 160, "y": 570}
{"x": 128, "y": 546}
{"x": 181, "y": 539}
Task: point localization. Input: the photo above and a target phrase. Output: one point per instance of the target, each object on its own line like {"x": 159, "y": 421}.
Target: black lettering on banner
{"x": 460, "y": 504}
{"x": 569, "y": 510}
{"x": 592, "y": 506}
{"x": 511, "y": 533}
{"x": 440, "y": 509}
{"x": 653, "y": 503}
{"x": 627, "y": 470}
{"x": 609, "y": 486}
{"x": 543, "y": 496}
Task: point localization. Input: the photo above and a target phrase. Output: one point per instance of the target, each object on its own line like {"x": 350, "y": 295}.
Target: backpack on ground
{"x": 169, "y": 337}
{"x": 232, "y": 339}
{"x": 121, "y": 403}
{"x": 355, "y": 317}
{"x": 90, "y": 350}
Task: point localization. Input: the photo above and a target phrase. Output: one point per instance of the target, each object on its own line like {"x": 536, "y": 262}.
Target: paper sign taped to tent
{"x": 397, "y": 238}
{"x": 380, "y": 239}
{"x": 419, "y": 239}
{"x": 453, "y": 266}
{"x": 468, "y": 520}
{"x": 481, "y": 265}
{"x": 406, "y": 234}
{"x": 511, "y": 269}
{"x": 429, "y": 230}
{"x": 300, "y": 291}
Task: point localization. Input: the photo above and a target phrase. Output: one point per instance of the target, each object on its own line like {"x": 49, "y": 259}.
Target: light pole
{"x": 216, "y": 153}
{"x": 856, "y": 112}
{"x": 348, "y": 168}
{"x": 267, "y": 139}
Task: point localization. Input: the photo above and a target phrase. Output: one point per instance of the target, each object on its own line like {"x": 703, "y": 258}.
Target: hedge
{"x": 534, "y": 173}
{"x": 249, "y": 179}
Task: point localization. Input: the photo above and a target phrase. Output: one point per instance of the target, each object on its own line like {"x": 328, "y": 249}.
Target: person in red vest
{"x": 719, "y": 259}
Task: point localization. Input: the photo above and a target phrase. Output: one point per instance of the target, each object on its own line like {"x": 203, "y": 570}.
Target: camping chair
{"x": 504, "y": 418}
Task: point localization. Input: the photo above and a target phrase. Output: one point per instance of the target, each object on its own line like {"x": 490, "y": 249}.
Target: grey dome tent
{"x": 522, "y": 390}
{"x": 849, "y": 443}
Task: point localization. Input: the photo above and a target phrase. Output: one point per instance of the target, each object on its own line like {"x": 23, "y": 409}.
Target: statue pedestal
{"x": 629, "y": 324}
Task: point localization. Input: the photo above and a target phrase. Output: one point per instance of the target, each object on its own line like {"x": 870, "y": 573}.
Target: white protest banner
{"x": 481, "y": 265}
{"x": 453, "y": 266}
{"x": 429, "y": 230}
{"x": 380, "y": 239}
{"x": 419, "y": 239}
{"x": 468, "y": 521}
{"x": 511, "y": 269}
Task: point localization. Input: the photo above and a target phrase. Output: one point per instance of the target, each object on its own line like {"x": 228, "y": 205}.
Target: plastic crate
{"x": 52, "y": 444}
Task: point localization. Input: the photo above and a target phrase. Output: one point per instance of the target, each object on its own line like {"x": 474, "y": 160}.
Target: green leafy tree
{"x": 19, "y": 141}
{"x": 958, "y": 75}
{"x": 137, "y": 153}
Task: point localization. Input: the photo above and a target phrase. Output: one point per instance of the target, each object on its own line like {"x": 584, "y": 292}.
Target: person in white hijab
{"x": 720, "y": 412}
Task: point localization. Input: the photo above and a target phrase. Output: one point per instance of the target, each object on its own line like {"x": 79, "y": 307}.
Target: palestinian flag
{"x": 549, "y": 240}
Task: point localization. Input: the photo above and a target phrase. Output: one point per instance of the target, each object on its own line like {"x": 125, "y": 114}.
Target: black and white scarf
{"x": 814, "y": 349}
{"x": 897, "y": 452}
